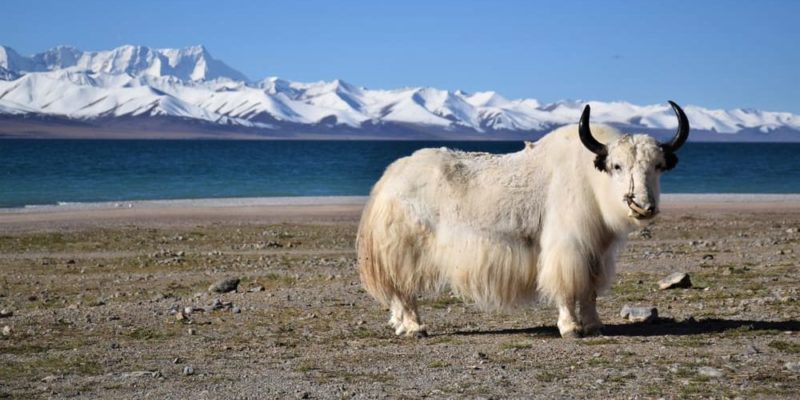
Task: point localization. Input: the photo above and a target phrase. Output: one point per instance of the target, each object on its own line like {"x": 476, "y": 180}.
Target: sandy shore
{"x": 304, "y": 209}
{"x": 94, "y": 300}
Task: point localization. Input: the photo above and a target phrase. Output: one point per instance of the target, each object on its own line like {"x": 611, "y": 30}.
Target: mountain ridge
{"x": 138, "y": 82}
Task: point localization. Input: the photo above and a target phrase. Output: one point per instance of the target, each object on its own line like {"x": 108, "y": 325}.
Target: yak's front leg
{"x": 590, "y": 320}
{"x": 568, "y": 325}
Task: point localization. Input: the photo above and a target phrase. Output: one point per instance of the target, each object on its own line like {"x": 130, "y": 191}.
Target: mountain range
{"x": 141, "y": 92}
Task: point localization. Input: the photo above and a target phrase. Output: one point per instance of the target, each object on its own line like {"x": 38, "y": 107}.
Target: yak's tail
{"x": 371, "y": 268}
{"x": 389, "y": 248}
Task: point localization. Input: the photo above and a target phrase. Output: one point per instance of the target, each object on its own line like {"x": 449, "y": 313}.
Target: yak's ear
{"x": 600, "y": 162}
{"x": 671, "y": 159}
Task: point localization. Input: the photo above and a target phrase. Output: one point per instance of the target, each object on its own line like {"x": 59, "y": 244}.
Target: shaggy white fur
{"x": 502, "y": 230}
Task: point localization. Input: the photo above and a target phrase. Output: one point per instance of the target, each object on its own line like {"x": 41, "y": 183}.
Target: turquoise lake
{"x": 37, "y": 172}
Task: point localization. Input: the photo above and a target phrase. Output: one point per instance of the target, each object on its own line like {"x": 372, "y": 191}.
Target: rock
{"x": 255, "y": 289}
{"x": 708, "y": 257}
{"x": 639, "y": 314}
{"x": 224, "y": 286}
{"x": 752, "y": 350}
{"x": 140, "y": 374}
{"x": 792, "y": 366}
{"x": 236, "y": 310}
{"x": 6, "y": 313}
{"x": 192, "y": 331}
{"x": 643, "y": 233}
{"x": 221, "y": 305}
{"x": 187, "y": 370}
{"x": 6, "y": 330}
{"x": 675, "y": 280}
{"x": 49, "y": 378}
{"x": 710, "y": 372}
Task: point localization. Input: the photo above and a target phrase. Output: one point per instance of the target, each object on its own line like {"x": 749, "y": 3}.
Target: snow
{"x": 190, "y": 83}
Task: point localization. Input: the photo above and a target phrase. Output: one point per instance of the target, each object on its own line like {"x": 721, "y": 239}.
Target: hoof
{"x": 421, "y": 334}
{"x": 570, "y": 335}
{"x": 593, "y": 331}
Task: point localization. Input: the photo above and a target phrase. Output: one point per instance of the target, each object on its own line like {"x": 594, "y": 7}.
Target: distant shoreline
{"x": 668, "y": 200}
{"x": 304, "y": 210}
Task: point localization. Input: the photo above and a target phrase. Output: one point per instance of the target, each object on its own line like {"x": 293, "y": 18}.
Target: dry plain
{"x": 98, "y": 302}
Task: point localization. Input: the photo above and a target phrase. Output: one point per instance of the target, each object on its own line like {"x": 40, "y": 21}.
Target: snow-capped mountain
{"x": 137, "y": 84}
{"x": 189, "y": 64}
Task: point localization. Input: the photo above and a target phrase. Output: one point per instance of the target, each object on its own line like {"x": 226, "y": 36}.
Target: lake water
{"x": 36, "y": 172}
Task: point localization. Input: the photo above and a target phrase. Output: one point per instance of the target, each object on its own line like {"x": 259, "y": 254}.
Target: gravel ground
{"x": 123, "y": 309}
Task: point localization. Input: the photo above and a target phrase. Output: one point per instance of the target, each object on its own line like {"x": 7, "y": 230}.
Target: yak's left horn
{"x": 586, "y": 134}
{"x": 683, "y": 130}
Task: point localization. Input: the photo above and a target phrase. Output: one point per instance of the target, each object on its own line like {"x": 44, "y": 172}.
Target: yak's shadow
{"x": 660, "y": 327}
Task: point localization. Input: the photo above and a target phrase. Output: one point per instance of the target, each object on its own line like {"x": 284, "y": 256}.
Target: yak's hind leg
{"x": 590, "y": 320}
{"x": 405, "y": 318}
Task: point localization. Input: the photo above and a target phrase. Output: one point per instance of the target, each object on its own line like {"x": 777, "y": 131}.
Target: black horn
{"x": 586, "y": 134}
{"x": 683, "y": 130}
{"x": 590, "y": 142}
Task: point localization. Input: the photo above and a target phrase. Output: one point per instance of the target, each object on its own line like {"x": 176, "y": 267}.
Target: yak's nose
{"x": 640, "y": 210}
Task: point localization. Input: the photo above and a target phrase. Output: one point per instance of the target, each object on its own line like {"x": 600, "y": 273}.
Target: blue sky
{"x": 720, "y": 54}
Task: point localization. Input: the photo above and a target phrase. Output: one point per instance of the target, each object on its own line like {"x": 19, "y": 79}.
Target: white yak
{"x": 502, "y": 230}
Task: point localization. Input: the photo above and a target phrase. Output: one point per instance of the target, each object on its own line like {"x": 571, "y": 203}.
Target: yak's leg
{"x": 590, "y": 320}
{"x": 396, "y": 314}
{"x": 405, "y": 319}
{"x": 568, "y": 324}
{"x": 562, "y": 278}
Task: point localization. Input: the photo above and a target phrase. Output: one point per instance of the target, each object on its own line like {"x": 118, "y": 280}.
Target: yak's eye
{"x": 661, "y": 167}
{"x": 617, "y": 167}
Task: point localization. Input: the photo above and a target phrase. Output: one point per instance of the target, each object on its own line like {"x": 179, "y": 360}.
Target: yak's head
{"x": 634, "y": 164}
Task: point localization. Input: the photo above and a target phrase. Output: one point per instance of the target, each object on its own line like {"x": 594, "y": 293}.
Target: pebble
{"x": 6, "y": 313}
{"x": 258, "y": 288}
{"x": 710, "y": 372}
{"x": 792, "y": 366}
{"x": 751, "y": 350}
{"x": 218, "y": 304}
{"x": 187, "y": 370}
{"x": 675, "y": 280}
{"x": 236, "y": 310}
{"x": 639, "y": 314}
{"x": 140, "y": 374}
{"x": 6, "y": 330}
{"x": 192, "y": 331}
{"x": 224, "y": 286}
